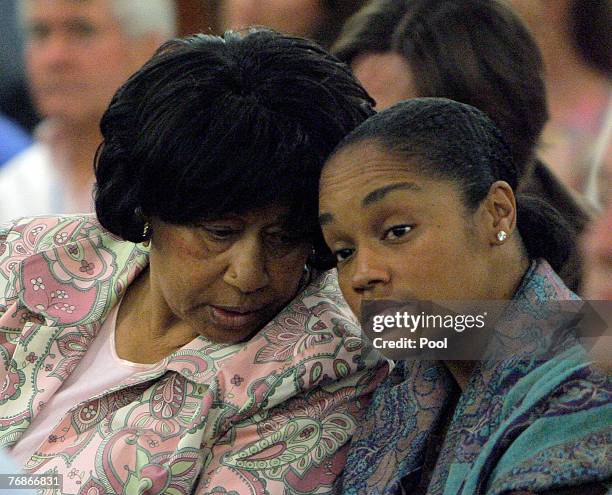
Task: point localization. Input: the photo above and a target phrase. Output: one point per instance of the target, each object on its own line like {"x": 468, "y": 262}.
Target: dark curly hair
{"x": 216, "y": 125}
{"x": 452, "y": 141}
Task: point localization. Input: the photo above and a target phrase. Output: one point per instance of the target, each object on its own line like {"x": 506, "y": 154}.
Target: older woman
{"x": 180, "y": 340}
{"x": 418, "y": 203}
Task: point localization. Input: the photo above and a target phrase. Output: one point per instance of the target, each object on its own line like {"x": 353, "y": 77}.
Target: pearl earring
{"x": 502, "y": 236}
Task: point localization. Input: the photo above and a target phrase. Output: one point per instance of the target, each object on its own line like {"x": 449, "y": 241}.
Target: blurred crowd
{"x": 38, "y": 52}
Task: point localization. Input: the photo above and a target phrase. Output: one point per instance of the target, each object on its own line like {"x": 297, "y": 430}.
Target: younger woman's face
{"x": 398, "y": 234}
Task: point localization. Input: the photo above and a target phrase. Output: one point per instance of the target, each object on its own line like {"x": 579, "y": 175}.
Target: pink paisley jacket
{"x": 270, "y": 416}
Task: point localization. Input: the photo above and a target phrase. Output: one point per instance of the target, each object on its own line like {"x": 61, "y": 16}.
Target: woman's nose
{"x": 370, "y": 271}
{"x": 247, "y": 267}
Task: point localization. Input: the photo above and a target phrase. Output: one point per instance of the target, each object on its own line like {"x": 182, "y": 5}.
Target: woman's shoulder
{"x": 37, "y": 233}
{"x": 28, "y": 236}
{"x": 323, "y": 295}
{"x": 315, "y": 339}
{"x": 317, "y": 322}
{"x": 66, "y": 253}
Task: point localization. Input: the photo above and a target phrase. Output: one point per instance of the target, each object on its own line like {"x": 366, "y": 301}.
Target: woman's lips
{"x": 235, "y": 317}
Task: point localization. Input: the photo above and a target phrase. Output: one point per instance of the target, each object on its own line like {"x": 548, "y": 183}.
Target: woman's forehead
{"x": 367, "y": 161}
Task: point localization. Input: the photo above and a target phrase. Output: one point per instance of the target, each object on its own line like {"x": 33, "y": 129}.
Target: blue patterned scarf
{"x": 536, "y": 421}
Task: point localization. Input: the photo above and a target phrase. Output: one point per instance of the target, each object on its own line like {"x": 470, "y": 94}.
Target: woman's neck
{"x": 146, "y": 330}
{"x": 508, "y": 269}
{"x": 507, "y": 275}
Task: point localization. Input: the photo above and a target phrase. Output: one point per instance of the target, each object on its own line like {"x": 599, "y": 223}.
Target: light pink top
{"x": 100, "y": 369}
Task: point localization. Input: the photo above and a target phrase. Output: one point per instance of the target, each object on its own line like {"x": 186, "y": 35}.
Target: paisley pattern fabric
{"x": 538, "y": 420}
{"x": 273, "y": 415}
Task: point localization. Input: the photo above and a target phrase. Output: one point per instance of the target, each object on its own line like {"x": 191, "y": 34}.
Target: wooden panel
{"x": 196, "y": 16}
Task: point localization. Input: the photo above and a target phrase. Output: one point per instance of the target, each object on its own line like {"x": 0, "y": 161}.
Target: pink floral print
{"x": 273, "y": 415}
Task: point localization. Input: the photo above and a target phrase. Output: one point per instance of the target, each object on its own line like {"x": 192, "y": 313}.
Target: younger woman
{"x": 418, "y": 203}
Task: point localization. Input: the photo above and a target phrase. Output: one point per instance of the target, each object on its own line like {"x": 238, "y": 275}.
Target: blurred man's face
{"x": 76, "y": 56}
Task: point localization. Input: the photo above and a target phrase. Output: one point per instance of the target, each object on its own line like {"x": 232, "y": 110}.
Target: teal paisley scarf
{"x": 533, "y": 422}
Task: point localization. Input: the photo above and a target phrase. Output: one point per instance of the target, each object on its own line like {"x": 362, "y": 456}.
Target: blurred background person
{"x": 597, "y": 251}
{"x": 477, "y": 52}
{"x": 575, "y": 37}
{"x": 77, "y": 54}
{"x": 320, "y": 20}
{"x": 597, "y": 245}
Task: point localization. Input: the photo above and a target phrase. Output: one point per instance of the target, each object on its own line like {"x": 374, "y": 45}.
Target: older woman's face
{"x": 227, "y": 278}
{"x": 398, "y": 235}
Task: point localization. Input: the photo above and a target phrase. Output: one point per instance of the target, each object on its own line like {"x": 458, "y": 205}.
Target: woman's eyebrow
{"x": 373, "y": 197}
{"x": 381, "y": 192}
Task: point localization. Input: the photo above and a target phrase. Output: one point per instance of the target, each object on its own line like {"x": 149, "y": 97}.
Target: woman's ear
{"x": 500, "y": 206}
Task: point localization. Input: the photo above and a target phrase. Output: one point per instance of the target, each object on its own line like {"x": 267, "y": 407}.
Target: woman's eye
{"x": 397, "y": 232}
{"x": 282, "y": 243}
{"x": 343, "y": 254}
{"x": 283, "y": 239}
{"x": 220, "y": 234}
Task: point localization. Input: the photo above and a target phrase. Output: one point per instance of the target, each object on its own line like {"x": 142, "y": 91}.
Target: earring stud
{"x": 146, "y": 231}
{"x": 502, "y": 236}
